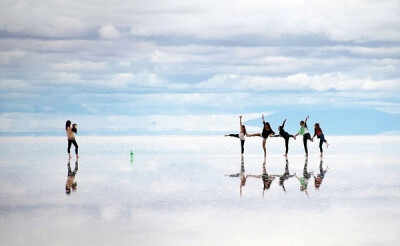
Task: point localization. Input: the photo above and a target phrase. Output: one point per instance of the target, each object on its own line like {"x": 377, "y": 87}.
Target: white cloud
{"x": 7, "y": 57}
{"x": 324, "y": 82}
{"x": 44, "y": 122}
{"x": 78, "y": 65}
{"x": 197, "y": 58}
{"x": 109, "y": 32}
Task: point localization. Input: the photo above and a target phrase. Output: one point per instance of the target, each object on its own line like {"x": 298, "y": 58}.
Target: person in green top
{"x": 304, "y": 180}
{"x": 305, "y": 133}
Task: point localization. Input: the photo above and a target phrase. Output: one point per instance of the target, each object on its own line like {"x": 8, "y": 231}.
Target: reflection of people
{"x": 267, "y": 179}
{"x": 304, "y": 132}
{"x": 71, "y": 183}
{"x": 320, "y": 176}
{"x": 285, "y": 135}
{"x": 304, "y": 180}
{"x": 285, "y": 176}
{"x": 320, "y": 135}
{"x": 71, "y": 137}
{"x": 241, "y": 176}
{"x": 242, "y": 134}
{"x": 267, "y": 131}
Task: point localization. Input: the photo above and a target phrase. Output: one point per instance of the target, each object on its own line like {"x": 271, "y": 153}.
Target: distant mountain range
{"x": 336, "y": 122}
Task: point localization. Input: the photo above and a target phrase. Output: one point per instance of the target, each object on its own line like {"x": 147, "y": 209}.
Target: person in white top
{"x": 242, "y": 134}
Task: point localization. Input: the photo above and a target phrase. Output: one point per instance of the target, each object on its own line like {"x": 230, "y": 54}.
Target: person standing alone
{"x": 71, "y": 130}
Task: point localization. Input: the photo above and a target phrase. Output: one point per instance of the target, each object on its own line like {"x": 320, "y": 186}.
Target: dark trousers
{"x": 306, "y": 137}
{"x": 321, "y": 141}
{"x": 70, "y": 142}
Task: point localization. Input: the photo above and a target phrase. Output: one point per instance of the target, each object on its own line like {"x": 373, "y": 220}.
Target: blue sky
{"x": 152, "y": 67}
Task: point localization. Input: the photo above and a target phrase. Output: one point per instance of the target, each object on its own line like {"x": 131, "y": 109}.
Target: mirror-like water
{"x": 181, "y": 190}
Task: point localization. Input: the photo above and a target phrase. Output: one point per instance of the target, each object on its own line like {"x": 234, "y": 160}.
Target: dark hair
{"x": 74, "y": 128}
{"x": 302, "y": 122}
{"x": 67, "y": 124}
{"x": 244, "y": 128}
{"x": 268, "y": 125}
{"x": 267, "y": 184}
{"x": 317, "y": 127}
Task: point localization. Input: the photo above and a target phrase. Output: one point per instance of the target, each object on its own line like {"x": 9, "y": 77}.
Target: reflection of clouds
{"x": 169, "y": 187}
{"x": 181, "y": 199}
{"x": 110, "y": 211}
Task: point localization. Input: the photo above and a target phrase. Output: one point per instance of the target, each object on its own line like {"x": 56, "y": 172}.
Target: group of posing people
{"x": 267, "y": 179}
{"x": 268, "y": 132}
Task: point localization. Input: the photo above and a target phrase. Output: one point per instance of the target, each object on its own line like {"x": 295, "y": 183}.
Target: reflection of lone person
{"x": 242, "y": 134}
{"x": 285, "y": 176}
{"x": 285, "y": 135}
{"x": 304, "y": 132}
{"x": 71, "y": 183}
{"x": 71, "y": 137}
{"x": 267, "y": 131}
{"x": 241, "y": 176}
{"x": 267, "y": 179}
{"x": 320, "y": 176}
{"x": 304, "y": 180}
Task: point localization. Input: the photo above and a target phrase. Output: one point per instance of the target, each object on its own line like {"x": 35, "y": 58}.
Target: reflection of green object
{"x": 131, "y": 155}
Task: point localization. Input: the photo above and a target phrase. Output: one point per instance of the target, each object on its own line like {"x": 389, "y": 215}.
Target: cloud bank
{"x": 203, "y": 58}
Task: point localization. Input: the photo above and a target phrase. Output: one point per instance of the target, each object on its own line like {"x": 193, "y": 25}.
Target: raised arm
{"x": 240, "y": 121}
{"x": 283, "y": 124}
{"x": 305, "y": 121}
{"x": 263, "y": 119}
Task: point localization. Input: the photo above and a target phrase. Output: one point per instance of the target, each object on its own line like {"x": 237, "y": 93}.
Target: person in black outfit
{"x": 267, "y": 131}
{"x": 266, "y": 178}
{"x": 285, "y": 176}
{"x": 285, "y": 135}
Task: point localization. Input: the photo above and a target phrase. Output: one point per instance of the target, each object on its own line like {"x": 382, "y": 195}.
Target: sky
{"x": 191, "y": 67}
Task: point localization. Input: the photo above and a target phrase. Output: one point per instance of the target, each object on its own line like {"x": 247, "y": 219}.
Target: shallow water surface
{"x": 190, "y": 190}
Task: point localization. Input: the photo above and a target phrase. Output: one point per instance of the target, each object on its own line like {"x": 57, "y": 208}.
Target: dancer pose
{"x": 242, "y": 134}
{"x": 320, "y": 176}
{"x": 320, "y": 135}
{"x": 241, "y": 176}
{"x": 305, "y": 133}
{"x": 267, "y": 131}
{"x": 304, "y": 180}
{"x": 285, "y": 176}
{"x": 267, "y": 179}
{"x": 285, "y": 135}
{"x": 71, "y": 137}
